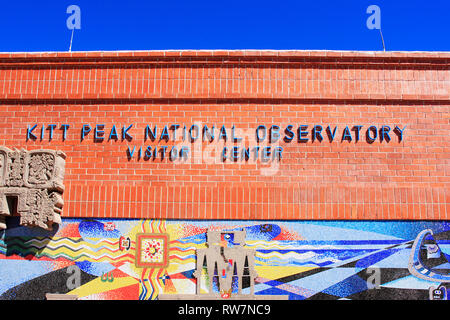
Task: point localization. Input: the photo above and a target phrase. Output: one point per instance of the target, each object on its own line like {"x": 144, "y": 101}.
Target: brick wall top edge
{"x": 275, "y": 55}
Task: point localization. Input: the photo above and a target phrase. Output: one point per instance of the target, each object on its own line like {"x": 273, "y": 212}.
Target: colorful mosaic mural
{"x": 147, "y": 259}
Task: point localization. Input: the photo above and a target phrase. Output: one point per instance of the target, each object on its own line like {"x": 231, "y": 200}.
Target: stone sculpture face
{"x": 35, "y": 179}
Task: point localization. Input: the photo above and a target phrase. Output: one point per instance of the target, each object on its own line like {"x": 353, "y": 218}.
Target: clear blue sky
{"x": 413, "y": 25}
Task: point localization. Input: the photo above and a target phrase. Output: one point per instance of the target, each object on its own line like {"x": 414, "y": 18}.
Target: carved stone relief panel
{"x": 15, "y": 169}
{"x": 33, "y": 181}
{"x": 45, "y": 169}
{"x": 3, "y": 165}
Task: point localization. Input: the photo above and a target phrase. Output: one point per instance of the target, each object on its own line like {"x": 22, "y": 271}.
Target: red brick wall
{"x": 313, "y": 180}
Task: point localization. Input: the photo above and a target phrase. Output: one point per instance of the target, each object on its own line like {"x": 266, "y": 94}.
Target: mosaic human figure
{"x": 226, "y": 259}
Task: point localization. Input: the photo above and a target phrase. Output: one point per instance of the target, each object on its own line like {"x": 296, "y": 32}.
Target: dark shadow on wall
{"x": 16, "y": 239}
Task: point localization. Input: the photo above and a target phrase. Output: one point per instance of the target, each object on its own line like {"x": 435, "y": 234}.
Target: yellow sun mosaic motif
{"x": 152, "y": 250}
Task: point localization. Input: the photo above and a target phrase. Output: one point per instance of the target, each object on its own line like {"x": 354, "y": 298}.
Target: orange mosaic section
{"x": 407, "y": 179}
